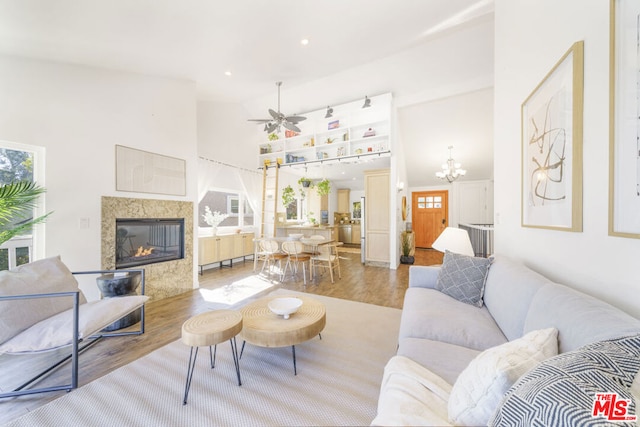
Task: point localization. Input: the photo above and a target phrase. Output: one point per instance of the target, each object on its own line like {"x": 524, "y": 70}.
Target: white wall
{"x": 79, "y": 114}
{"x": 530, "y": 38}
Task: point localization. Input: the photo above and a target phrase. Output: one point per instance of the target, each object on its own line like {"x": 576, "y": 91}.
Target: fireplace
{"x": 142, "y": 241}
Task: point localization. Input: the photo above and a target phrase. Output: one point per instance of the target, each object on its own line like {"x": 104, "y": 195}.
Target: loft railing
{"x": 16, "y": 251}
{"x": 481, "y": 236}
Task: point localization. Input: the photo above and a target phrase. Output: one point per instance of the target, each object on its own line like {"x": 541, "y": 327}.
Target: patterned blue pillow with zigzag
{"x": 590, "y": 386}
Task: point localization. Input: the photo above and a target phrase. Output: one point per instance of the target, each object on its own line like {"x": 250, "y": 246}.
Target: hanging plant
{"x": 323, "y": 187}
{"x": 305, "y": 182}
{"x": 288, "y": 196}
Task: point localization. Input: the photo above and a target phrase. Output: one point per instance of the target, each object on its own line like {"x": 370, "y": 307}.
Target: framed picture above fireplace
{"x": 144, "y": 172}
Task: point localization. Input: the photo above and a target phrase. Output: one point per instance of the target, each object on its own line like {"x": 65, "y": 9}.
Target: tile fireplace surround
{"x": 162, "y": 279}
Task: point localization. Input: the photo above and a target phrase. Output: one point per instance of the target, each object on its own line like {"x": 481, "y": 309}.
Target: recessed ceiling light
{"x": 304, "y": 42}
{"x": 227, "y": 73}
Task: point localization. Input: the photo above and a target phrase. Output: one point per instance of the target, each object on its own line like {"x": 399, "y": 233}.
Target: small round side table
{"x": 209, "y": 329}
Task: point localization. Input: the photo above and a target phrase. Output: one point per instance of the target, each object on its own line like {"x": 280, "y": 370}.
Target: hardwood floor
{"x": 164, "y": 318}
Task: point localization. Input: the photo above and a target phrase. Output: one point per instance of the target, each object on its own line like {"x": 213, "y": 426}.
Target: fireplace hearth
{"x": 142, "y": 241}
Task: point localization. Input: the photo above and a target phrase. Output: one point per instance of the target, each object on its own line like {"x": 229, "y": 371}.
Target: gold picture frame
{"x": 624, "y": 120}
{"x": 552, "y": 147}
{"x": 404, "y": 208}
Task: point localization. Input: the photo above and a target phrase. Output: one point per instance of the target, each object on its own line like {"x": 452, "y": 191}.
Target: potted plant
{"x": 305, "y": 182}
{"x": 323, "y": 187}
{"x": 17, "y": 200}
{"x": 406, "y": 258}
{"x": 213, "y": 219}
{"x": 288, "y": 196}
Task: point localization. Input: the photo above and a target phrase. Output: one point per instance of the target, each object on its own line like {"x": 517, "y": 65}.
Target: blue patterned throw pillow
{"x": 579, "y": 387}
{"x": 463, "y": 277}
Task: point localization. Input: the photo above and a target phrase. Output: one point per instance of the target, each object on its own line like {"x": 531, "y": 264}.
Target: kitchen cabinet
{"x": 356, "y": 233}
{"x": 343, "y": 200}
{"x": 212, "y": 249}
{"x": 377, "y": 217}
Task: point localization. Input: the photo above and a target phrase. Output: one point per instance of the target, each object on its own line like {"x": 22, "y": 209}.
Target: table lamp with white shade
{"x": 455, "y": 240}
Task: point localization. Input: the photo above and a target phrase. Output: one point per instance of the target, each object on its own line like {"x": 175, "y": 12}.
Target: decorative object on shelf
{"x": 345, "y": 136}
{"x": 273, "y": 136}
{"x": 369, "y": 132}
{"x": 279, "y": 120}
{"x": 342, "y": 151}
{"x": 406, "y": 238}
{"x": 323, "y": 187}
{"x": 451, "y": 170}
{"x": 329, "y": 112}
{"x": 333, "y": 125}
{"x": 213, "y": 219}
{"x": 290, "y": 134}
{"x": 288, "y": 196}
{"x": 367, "y": 102}
{"x": 330, "y": 140}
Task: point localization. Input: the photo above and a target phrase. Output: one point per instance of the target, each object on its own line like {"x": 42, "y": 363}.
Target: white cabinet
{"x": 351, "y": 132}
{"x": 377, "y": 217}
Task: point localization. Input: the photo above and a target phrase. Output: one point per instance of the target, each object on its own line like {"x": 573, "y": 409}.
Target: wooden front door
{"x": 429, "y": 213}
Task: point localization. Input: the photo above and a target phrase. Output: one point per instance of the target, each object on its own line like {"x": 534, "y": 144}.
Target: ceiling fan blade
{"x": 295, "y": 119}
{"x": 291, "y": 126}
{"x": 274, "y": 114}
{"x": 271, "y": 127}
{"x": 259, "y": 120}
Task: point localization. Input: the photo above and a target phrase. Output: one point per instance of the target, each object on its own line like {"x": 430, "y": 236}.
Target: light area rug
{"x": 338, "y": 381}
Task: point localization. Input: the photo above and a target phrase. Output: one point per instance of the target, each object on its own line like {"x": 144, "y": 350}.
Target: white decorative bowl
{"x": 296, "y": 236}
{"x": 285, "y": 306}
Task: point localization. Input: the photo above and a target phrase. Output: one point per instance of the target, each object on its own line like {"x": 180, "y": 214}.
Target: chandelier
{"x": 450, "y": 170}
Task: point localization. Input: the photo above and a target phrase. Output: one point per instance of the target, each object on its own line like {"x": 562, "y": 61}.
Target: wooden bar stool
{"x": 209, "y": 329}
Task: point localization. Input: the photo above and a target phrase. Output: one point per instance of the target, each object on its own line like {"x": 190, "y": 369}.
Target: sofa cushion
{"x": 481, "y": 385}
{"x": 44, "y": 276}
{"x": 443, "y": 359}
{"x": 57, "y": 331}
{"x": 579, "y": 318}
{"x": 562, "y": 390}
{"x": 430, "y": 314}
{"x": 463, "y": 277}
{"x": 508, "y": 293}
{"x": 411, "y": 395}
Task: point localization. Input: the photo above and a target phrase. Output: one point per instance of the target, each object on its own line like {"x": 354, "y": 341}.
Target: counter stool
{"x": 209, "y": 329}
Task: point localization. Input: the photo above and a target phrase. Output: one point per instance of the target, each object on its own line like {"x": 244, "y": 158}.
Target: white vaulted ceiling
{"x": 420, "y": 50}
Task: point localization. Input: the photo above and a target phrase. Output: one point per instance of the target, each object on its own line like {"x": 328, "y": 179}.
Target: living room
{"x": 79, "y": 113}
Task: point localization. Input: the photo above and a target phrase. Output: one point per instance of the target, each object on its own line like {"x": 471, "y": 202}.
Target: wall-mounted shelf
{"x": 353, "y": 132}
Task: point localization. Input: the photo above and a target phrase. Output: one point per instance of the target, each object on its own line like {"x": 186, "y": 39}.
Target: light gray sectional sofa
{"x": 441, "y": 340}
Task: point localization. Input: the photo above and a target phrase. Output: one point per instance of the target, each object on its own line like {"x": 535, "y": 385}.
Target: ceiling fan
{"x": 278, "y": 119}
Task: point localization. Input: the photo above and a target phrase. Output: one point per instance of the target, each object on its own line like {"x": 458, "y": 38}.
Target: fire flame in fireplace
{"x": 143, "y": 252}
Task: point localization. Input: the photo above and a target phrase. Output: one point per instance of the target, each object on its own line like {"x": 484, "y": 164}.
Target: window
{"x": 429, "y": 202}
{"x": 19, "y": 162}
{"x": 230, "y": 203}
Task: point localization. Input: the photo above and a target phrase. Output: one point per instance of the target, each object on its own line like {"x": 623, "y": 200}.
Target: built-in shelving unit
{"x": 352, "y": 131}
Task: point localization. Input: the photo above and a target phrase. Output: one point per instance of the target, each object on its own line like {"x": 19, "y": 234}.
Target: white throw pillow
{"x": 481, "y": 386}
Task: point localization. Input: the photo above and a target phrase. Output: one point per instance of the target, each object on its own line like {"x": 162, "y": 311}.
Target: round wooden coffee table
{"x": 264, "y": 328}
